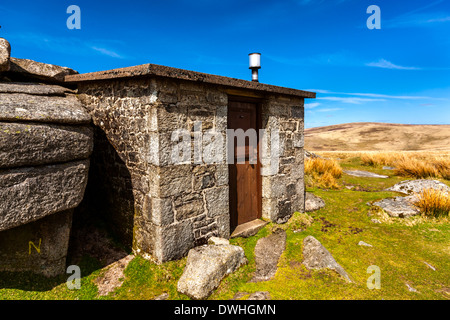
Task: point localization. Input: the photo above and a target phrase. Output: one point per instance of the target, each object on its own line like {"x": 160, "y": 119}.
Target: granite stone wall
{"x": 160, "y": 208}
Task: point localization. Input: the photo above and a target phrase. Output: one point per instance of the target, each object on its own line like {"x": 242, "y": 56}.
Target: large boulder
{"x": 316, "y": 256}
{"x": 5, "y": 53}
{"x": 398, "y": 207}
{"x": 39, "y": 247}
{"x": 267, "y": 253}
{"x": 410, "y": 187}
{"x": 30, "y": 193}
{"x": 49, "y": 109}
{"x": 206, "y": 266}
{"x": 39, "y": 71}
{"x": 25, "y": 144}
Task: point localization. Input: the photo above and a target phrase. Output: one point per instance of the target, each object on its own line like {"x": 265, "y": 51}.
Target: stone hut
{"x": 145, "y": 116}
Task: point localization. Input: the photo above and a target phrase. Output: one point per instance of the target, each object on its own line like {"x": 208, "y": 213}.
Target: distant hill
{"x": 364, "y": 136}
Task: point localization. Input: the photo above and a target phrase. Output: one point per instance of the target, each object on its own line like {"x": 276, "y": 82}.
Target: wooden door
{"x": 244, "y": 179}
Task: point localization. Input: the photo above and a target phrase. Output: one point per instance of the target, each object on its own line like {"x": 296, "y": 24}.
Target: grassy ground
{"x": 400, "y": 249}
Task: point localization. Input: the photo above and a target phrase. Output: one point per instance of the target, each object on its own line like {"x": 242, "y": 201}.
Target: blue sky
{"x": 399, "y": 73}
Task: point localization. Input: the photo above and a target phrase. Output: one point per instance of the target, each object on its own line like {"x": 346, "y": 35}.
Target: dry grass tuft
{"x": 411, "y": 164}
{"x": 433, "y": 203}
{"x": 323, "y": 172}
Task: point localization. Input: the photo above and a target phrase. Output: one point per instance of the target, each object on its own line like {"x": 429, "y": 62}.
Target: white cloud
{"x": 311, "y": 105}
{"x": 107, "y": 52}
{"x": 351, "y": 100}
{"x": 329, "y": 109}
{"x": 382, "y": 63}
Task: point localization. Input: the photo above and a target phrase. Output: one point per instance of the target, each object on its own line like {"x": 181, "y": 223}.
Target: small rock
{"x": 313, "y": 202}
{"x": 364, "y": 244}
{"x": 411, "y": 289}
{"x": 365, "y": 174}
{"x": 259, "y": 295}
{"x": 388, "y": 168}
{"x": 316, "y": 256}
{"x": 267, "y": 252}
{"x": 375, "y": 221}
{"x": 162, "y": 296}
{"x": 217, "y": 241}
{"x": 5, "y": 54}
{"x": 206, "y": 266}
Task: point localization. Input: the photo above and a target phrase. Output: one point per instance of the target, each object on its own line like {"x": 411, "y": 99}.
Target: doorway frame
{"x": 258, "y": 108}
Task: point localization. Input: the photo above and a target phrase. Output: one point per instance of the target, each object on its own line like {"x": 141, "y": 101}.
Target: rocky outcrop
{"x": 30, "y": 193}
{"x": 267, "y": 253}
{"x": 316, "y": 256}
{"x": 5, "y": 53}
{"x": 39, "y": 71}
{"x": 206, "y": 266}
{"x": 403, "y": 206}
{"x": 45, "y": 143}
{"x": 313, "y": 202}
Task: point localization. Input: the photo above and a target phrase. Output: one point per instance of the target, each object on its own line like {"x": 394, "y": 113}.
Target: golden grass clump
{"x": 410, "y": 167}
{"x": 433, "y": 203}
{"x": 323, "y": 172}
{"x": 411, "y": 164}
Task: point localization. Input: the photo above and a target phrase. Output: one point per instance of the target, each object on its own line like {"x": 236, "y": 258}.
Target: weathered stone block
{"x": 39, "y": 247}
{"x": 24, "y": 107}
{"x": 217, "y": 200}
{"x": 174, "y": 241}
{"x": 23, "y": 144}
{"x": 28, "y": 194}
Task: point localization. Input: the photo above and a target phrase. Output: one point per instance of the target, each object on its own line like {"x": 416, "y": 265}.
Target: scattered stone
{"x": 5, "y": 54}
{"x": 206, "y": 266}
{"x": 218, "y": 241}
{"x": 248, "y": 229}
{"x": 410, "y": 187}
{"x": 259, "y": 295}
{"x": 313, "y": 202}
{"x": 350, "y": 187}
{"x": 430, "y": 266}
{"x": 267, "y": 253}
{"x": 39, "y": 70}
{"x": 162, "y": 296}
{"x": 398, "y": 207}
{"x": 113, "y": 277}
{"x": 411, "y": 289}
{"x": 375, "y": 221}
{"x": 365, "y": 174}
{"x": 316, "y": 256}
{"x": 364, "y": 244}
{"x": 388, "y": 168}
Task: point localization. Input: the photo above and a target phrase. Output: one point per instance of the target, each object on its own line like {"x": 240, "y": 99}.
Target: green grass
{"x": 400, "y": 248}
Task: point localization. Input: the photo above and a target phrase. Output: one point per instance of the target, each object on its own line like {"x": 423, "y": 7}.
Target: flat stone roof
{"x": 169, "y": 72}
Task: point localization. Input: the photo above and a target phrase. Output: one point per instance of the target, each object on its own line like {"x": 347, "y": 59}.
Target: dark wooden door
{"x": 244, "y": 179}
